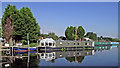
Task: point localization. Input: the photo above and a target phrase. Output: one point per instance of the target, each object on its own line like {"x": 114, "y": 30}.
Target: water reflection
{"x": 33, "y": 58}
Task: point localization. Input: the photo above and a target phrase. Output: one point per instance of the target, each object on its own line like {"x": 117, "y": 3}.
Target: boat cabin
{"x": 48, "y": 42}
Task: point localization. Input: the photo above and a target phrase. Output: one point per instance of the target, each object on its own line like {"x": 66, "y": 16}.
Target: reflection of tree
{"x": 80, "y": 59}
{"x": 34, "y": 62}
{"x": 72, "y": 59}
{"x": 19, "y": 63}
{"x": 53, "y": 60}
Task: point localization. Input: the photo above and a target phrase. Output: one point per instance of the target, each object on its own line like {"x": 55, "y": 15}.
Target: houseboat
{"x": 50, "y": 44}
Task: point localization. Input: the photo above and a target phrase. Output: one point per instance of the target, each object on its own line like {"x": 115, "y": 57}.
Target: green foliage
{"x": 24, "y": 42}
{"x": 91, "y": 35}
{"x": 108, "y": 39}
{"x": 70, "y": 33}
{"x": 33, "y": 44}
{"x": 80, "y": 32}
{"x": 72, "y": 59}
{"x": 23, "y": 22}
{"x": 53, "y": 36}
{"x": 10, "y": 12}
{"x": 44, "y": 35}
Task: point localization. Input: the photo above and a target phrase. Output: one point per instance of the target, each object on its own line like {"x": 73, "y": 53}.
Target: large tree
{"x": 8, "y": 19}
{"x": 17, "y": 23}
{"x": 27, "y": 24}
{"x": 70, "y": 33}
{"x": 80, "y": 32}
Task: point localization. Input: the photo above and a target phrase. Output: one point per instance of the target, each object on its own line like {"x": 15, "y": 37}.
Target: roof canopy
{"x": 47, "y": 40}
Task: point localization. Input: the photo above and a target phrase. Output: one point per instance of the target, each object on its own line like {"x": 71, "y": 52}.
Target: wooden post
{"x": 75, "y": 32}
{"x": 28, "y": 40}
{"x": 28, "y": 49}
{"x": 75, "y": 40}
{"x": 10, "y": 41}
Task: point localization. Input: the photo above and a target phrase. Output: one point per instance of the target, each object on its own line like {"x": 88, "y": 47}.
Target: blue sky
{"x": 98, "y": 17}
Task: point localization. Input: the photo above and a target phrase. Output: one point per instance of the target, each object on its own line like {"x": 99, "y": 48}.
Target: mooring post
{"x": 28, "y": 48}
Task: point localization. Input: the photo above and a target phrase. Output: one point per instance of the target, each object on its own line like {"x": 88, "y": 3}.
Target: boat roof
{"x": 47, "y": 39}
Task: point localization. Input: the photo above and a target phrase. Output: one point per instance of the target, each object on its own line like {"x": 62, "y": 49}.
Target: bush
{"x": 33, "y": 44}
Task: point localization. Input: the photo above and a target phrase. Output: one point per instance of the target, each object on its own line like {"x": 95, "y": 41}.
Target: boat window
{"x": 85, "y": 43}
{"x": 42, "y": 44}
{"x": 50, "y": 55}
{"x": 78, "y": 43}
{"x": 53, "y": 44}
{"x": 53, "y": 54}
{"x": 50, "y": 44}
{"x": 46, "y": 55}
{"x": 42, "y": 54}
{"x": 46, "y": 43}
{"x": 74, "y": 43}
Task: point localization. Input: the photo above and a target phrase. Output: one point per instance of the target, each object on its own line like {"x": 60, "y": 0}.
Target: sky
{"x": 98, "y": 17}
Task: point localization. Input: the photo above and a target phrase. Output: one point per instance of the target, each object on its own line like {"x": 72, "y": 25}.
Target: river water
{"x": 97, "y": 57}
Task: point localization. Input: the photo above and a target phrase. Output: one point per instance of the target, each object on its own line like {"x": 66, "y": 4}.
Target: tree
{"x": 80, "y": 32}
{"x": 17, "y": 23}
{"x": 91, "y": 35}
{"x": 53, "y": 36}
{"x": 70, "y": 33}
{"x": 115, "y": 40}
{"x": 9, "y": 17}
{"x": 28, "y": 25}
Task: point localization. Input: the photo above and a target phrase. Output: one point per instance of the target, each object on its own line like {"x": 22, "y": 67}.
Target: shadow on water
{"x": 33, "y": 59}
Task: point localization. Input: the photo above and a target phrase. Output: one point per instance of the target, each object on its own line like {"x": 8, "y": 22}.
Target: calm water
{"x": 98, "y": 57}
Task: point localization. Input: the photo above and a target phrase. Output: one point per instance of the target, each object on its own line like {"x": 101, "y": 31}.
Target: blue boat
{"x": 24, "y": 49}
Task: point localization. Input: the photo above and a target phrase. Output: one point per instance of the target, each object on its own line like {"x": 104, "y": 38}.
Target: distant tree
{"x": 70, "y": 33}
{"x": 53, "y": 36}
{"x": 44, "y": 35}
{"x": 91, "y": 35}
{"x": 80, "y": 32}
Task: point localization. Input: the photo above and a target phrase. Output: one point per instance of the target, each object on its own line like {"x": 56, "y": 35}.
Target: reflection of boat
{"x": 25, "y": 52}
{"x": 49, "y": 43}
{"x": 20, "y": 49}
{"x": 48, "y": 56}
{"x": 23, "y": 49}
